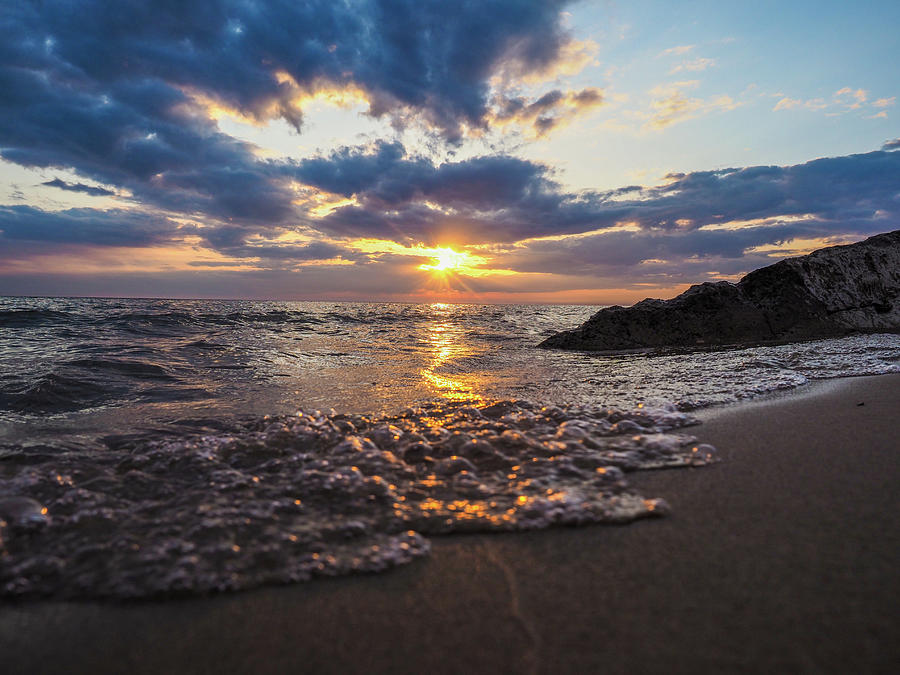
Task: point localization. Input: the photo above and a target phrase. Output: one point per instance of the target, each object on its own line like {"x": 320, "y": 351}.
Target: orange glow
{"x": 341, "y": 96}
{"x": 447, "y": 342}
{"x": 801, "y": 246}
{"x": 80, "y": 259}
{"x": 575, "y": 296}
{"x": 446, "y": 259}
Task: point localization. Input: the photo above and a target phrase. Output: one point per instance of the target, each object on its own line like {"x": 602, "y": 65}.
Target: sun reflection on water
{"x": 446, "y": 341}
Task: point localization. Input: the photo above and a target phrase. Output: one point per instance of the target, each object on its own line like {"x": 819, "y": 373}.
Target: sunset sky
{"x": 498, "y": 150}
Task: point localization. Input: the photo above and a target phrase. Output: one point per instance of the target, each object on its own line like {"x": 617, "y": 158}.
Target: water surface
{"x": 153, "y": 447}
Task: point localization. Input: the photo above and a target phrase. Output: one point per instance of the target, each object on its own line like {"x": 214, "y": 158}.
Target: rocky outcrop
{"x": 831, "y": 292}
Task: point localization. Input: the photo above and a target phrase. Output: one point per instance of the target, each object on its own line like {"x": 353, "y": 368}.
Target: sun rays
{"x": 446, "y": 259}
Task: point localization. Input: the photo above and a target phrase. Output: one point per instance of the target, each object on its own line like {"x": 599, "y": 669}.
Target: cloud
{"x": 671, "y": 104}
{"x": 842, "y": 101}
{"x": 676, "y": 51}
{"x": 386, "y": 193}
{"x": 410, "y": 199}
{"x": 851, "y": 98}
{"x": 290, "y": 253}
{"x": 694, "y": 65}
{"x": 128, "y": 98}
{"x": 573, "y": 57}
{"x": 79, "y": 187}
{"x": 324, "y": 282}
{"x": 141, "y": 137}
{"x": 786, "y": 103}
{"x": 383, "y": 175}
{"x": 259, "y": 57}
{"x": 113, "y": 227}
{"x": 845, "y": 191}
{"x": 650, "y": 263}
{"x": 504, "y": 199}
{"x": 27, "y": 232}
{"x": 714, "y": 224}
{"x": 553, "y": 109}
{"x": 698, "y": 225}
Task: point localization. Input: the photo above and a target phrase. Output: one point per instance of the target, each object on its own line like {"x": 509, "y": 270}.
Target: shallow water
{"x": 151, "y": 447}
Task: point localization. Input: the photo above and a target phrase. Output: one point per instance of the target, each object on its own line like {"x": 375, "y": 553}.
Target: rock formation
{"x": 831, "y": 292}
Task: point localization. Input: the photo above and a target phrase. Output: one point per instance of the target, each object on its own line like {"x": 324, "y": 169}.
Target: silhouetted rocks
{"x": 831, "y": 292}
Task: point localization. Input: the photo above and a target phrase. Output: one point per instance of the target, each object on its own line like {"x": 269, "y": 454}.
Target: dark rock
{"x": 831, "y": 292}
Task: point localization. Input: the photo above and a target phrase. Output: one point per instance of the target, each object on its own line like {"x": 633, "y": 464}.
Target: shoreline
{"x": 812, "y": 389}
{"x": 781, "y": 558}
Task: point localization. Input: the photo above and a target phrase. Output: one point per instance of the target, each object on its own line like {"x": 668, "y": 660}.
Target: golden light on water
{"x": 446, "y": 341}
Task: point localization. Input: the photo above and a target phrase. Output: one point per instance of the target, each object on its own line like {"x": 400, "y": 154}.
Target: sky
{"x": 437, "y": 151}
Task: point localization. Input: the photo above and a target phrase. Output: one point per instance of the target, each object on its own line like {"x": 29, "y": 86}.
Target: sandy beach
{"x": 782, "y": 558}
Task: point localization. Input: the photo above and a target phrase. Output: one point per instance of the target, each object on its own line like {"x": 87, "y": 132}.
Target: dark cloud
{"x": 27, "y": 231}
{"x": 382, "y": 176}
{"x": 352, "y": 170}
{"x": 79, "y": 187}
{"x": 412, "y": 199}
{"x": 431, "y": 56}
{"x": 546, "y": 112}
{"x": 891, "y": 145}
{"x": 505, "y": 199}
{"x": 631, "y": 254}
{"x": 501, "y": 199}
{"x": 142, "y": 138}
{"x": 107, "y": 88}
{"x": 274, "y": 254}
{"x": 437, "y": 56}
{"x": 114, "y": 227}
{"x": 322, "y": 282}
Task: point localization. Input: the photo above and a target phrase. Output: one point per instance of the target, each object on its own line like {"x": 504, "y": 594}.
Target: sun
{"x": 446, "y": 260}
{"x": 447, "y": 263}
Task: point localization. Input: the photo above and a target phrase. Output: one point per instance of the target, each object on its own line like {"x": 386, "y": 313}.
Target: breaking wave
{"x": 285, "y": 499}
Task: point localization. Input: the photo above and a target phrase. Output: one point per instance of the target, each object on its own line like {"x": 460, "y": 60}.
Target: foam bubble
{"x": 284, "y": 499}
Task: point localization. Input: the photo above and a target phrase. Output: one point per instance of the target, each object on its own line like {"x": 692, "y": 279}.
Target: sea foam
{"x": 284, "y": 499}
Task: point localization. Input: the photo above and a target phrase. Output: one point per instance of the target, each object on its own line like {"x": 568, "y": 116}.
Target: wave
{"x": 135, "y": 369}
{"x": 285, "y": 499}
{"x": 53, "y": 393}
{"x": 277, "y": 317}
{"x": 180, "y": 319}
{"x": 27, "y": 318}
{"x": 82, "y": 384}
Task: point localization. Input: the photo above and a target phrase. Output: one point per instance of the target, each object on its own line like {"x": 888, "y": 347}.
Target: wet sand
{"x": 783, "y": 558}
